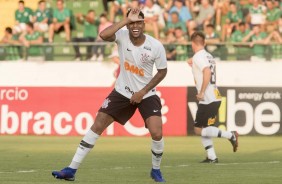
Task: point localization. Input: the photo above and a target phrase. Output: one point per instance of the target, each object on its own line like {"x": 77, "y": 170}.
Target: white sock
{"x": 86, "y": 144}
{"x": 212, "y": 131}
{"x": 208, "y": 145}
{"x": 157, "y": 152}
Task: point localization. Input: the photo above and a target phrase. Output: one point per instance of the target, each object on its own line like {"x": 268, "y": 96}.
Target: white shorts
{"x": 20, "y": 27}
{"x": 43, "y": 27}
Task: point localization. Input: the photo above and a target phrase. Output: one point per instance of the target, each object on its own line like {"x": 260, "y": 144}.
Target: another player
{"x": 203, "y": 68}
{"x": 135, "y": 88}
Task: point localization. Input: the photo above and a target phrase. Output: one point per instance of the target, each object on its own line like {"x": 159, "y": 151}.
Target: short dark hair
{"x": 232, "y": 3}
{"x": 178, "y": 27}
{"x": 175, "y": 12}
{"x": 140, "y": 13}
{"x": 198, "y": 37}
{"x": 29, "y": 24}
{"x": 41, "y": 1}
{"x": 9, "y": 30}
{"x": 21, "y": 2}
{"x": 103, "y": 15}
{"x": 91, "y": 10}
{"x": 242, "y": 24}
{"x": 210, "y": 26}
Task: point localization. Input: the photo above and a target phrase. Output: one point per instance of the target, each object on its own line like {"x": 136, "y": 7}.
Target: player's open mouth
{"x": 135, "y": 31}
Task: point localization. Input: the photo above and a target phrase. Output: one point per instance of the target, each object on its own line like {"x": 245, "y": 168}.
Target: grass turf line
{"x": 122, "y": 160}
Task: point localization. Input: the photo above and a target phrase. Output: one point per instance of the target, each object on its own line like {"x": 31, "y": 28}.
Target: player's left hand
{"x": 200, "y": 96}
{"x": 137, "y": 97}
{"x": 190, "y": 62}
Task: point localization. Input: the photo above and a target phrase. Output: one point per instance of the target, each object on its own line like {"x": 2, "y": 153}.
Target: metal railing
{"x": 64, "y": 50}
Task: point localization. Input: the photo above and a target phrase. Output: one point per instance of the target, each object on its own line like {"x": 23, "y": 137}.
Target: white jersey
{"x": 203, "y": 59}
{"x": 136, "y": 63}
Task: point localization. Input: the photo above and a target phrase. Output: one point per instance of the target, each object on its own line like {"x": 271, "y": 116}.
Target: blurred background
{"x": 55, "y": 71}
{"x": 248, "y": 30}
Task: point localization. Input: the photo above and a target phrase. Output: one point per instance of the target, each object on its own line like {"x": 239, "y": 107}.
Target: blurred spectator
{"x": 242, "y": 51}
{"x": 234, "y": 17}
{"x": 90, "y": 33}
{"x": 170, "y": 46}
{"x": 105, "y": 4}
{"x": 175, "y": 23}
{"x": 23, "y": 15}
{"x": 118, "y": 6}
{"x": 278, "y": 4}
{"x": 154, "y": 19}
{"x": 8, "y": 37}
{"x": 273, "y": 13}
{"x": 183, "y": 12}
{"x": 11, "y": 52}
{"x": 280, "y": 25}
{"x": 31, "y": 39}
{"x": 61, "y": 21}
{"x": 104, "y": 23}
{"x": 256, "y": 13}
{"x": 42, "y": 17}
{"x": 205, "y": 16}
{"x": 276, "y": 46}
{"x": 212, "y": 39}
{"x": 221, "y": 7}
{"x": 257, "y": 43}
{"x": 181, "y": 47}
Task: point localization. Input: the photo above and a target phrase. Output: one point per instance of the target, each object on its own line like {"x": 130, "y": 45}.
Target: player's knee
{"x": 197, "y": 131}
{"x": 157, "y": 136}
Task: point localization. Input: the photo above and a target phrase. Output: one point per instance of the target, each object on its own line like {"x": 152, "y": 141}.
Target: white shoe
{"x": 77, "y": 59}
{"x": 93, "y": 58}
{"x": 100, "y": 58}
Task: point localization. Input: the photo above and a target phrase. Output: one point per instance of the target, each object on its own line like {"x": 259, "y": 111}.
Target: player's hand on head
{"x": 133, "y": 15}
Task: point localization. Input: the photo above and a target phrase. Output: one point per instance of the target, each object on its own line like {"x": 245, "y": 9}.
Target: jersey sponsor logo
{"x": 144, "y": 58}
{"x": 127, "y": 89}
{"x": 133, "y": 69}
{"x": 106, "y": 103}
{"x": 147, "y": 48}
{"x": 211, "y": 121}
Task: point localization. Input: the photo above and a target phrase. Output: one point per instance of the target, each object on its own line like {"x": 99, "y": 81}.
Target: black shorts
{"x": 206, "y": 114}
{"x": 120, "y": 108}
{"x": 62, "y": 29}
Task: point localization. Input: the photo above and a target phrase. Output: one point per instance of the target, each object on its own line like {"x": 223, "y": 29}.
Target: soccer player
{"x": 203, "y": 68}
{"x": 134, "y": 88}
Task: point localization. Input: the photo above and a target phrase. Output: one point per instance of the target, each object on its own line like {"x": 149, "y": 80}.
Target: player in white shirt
{"x": 204, "y": 71}
{"x": 134, "y": 89}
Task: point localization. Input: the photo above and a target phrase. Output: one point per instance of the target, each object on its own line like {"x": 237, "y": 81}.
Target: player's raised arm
{"x": 108, "y": 34}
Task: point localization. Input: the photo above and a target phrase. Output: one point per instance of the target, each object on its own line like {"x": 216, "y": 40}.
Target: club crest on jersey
{"x": 106, "y": 103}
{"x": 144, "y": 58}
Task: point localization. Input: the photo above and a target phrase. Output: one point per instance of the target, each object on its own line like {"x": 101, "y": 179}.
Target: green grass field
{"x": 122, "y": 160}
